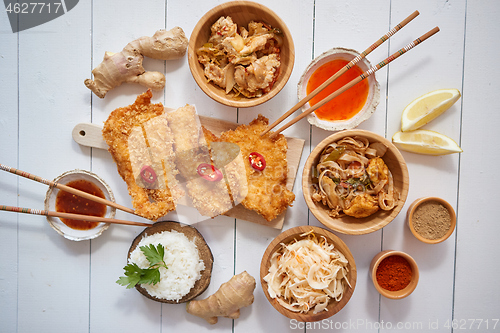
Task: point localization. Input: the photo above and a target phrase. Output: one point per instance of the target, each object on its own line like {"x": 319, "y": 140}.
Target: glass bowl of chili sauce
{"x": 394, "y": 274}
{"x": 350, "y": 108}
{"x": 61, "y": 201}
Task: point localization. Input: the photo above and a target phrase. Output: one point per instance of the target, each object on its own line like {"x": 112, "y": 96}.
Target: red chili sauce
{"x": 346, "y": 105}
{"x": 71, "y": 203}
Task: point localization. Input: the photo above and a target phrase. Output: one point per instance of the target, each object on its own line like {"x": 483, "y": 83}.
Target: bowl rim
{"x": 295, "y": 233}
{"x": 414, "y": 206}
{"x": 194, "y": 64}
{"x": 55, "y": 222}
{"x": 373, "y": 98}
{"x": 405, "y": 292}
{"x": 363, "y": 226}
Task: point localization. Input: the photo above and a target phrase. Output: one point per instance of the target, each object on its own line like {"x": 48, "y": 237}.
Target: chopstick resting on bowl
{"x": 353, "y": 82}
{"x": 343, "y": 70}
{"x": 67, "y": 189}
{"x": 71, "y": 216}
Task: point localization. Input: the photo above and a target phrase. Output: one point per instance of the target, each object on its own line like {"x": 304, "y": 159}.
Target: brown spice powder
{"x": 431, "y": 220}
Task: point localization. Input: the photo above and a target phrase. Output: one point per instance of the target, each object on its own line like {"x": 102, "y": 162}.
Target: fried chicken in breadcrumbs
{"x": 228, "y": 158}
{"x": 210, "y": 198}
{"x": 267, "y": 192}
{"x": 138, "y": 136}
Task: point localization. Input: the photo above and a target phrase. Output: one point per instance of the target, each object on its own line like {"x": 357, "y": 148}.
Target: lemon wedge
{"x": 425, "y": 142}
{"x": 427, "y": 107}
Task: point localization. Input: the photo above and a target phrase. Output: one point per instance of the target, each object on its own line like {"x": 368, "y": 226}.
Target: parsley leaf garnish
{"x": 154, "y": 255}
{"x": 151, "y": 275}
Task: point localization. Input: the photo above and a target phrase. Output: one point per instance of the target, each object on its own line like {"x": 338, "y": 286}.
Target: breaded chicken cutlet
{"x": 140, "y": 143}
{"x": 209, "y": 196}
{"x": 147, "y": 142}
{"x": 267, "y": 193}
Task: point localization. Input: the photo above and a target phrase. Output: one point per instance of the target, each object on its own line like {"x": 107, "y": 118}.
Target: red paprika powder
{"x": 394, "y": 273}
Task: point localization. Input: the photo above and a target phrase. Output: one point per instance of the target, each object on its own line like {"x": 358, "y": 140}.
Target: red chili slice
{"x": 148, "y": 174}
{"x": 209, "y": 172}
{"x": 257, "y": 161}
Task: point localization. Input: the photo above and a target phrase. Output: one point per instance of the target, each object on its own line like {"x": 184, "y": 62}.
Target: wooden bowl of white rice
{"x": 188, "y": 258}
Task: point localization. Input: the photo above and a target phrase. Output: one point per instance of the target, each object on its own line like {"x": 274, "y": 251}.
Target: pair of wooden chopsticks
{"x": 354, "y": 81}
{"x": 72, "y": 191}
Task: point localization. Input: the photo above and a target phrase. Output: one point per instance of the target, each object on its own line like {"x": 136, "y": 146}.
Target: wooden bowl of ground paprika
{"x": 394, "y": 274}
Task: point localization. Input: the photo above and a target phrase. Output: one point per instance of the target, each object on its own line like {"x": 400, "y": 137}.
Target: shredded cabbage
{"x": 307, "y": 273}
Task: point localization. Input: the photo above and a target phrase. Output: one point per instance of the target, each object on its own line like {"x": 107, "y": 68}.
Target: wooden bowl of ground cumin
{"x": 431, "y": 219}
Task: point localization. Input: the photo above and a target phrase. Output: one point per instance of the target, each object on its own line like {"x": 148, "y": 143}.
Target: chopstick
{"x": 66, "y": 188}
{"x": 71, "y": 216}
{"x": 358, "y": 79}
{"x": 343, "y": 70}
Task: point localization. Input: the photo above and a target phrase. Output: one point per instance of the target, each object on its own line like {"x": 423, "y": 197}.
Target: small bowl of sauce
{"x": 61, "y": 201}
{"x": 350, "y": 108}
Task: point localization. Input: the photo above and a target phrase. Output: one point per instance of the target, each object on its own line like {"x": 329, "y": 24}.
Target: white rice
{"x": 183, "y": 262}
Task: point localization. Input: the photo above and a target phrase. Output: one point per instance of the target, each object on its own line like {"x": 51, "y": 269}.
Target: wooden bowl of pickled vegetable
{"x": 355, "y": 182}
{"x": 238, "y": 74}
{"x": 321, "y": 261}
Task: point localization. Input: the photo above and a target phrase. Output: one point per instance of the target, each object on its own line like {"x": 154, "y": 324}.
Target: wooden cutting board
{"x": 90, "y": 135}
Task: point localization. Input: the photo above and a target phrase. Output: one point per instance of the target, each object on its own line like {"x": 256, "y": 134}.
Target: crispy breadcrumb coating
{"x": 122, "y": 134}
{"x": 267, "y": 192}
{"x": 210, "y": 198}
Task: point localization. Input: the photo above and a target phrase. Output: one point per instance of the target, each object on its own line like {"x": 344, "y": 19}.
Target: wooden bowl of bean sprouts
{"x": 308, "y": 273}
{"x": 350, "y": 164}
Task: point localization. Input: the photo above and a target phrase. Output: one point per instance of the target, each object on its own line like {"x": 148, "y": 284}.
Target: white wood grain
{"x": 8, "y": 182}
{"x": 412, "y": 75}
{"x": 477, "y": 225}
{"x": 53, "y": 274}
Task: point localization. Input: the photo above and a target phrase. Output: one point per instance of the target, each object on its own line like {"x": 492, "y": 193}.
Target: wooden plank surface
{"x": 9, "y": 154}
{"x": 476, "y": 237}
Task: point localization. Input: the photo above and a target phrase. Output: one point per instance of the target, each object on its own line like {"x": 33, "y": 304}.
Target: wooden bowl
{"x": 410, "y": 219}
{"x": 242, "y": 12}
{"x": 399, "y": 293}
{"x": 348, "y": 224}
{"x": 204, "y": 251}
{"x": 287, "y": 237}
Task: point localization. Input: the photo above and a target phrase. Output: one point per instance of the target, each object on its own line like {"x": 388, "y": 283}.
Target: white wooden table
{"x": 50, "y": 284}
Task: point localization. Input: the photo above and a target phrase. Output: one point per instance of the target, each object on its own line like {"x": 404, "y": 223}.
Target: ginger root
{"x": 227, "y": 301}
{"x": 126, "y": 66}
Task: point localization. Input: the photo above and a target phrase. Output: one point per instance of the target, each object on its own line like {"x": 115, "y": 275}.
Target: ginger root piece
{"x": 227, "y": 301}
{"x": 126, "y": 66}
